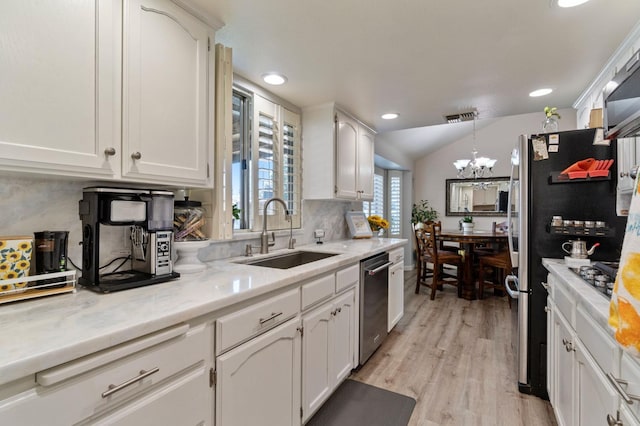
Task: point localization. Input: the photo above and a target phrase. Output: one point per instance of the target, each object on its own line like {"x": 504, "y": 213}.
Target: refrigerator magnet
{"x": 554, "y": 139}
{"x": 540, "y": 149}
{"x": 553, "y": 148}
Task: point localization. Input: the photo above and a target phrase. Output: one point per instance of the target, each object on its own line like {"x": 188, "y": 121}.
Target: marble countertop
{"x": 41, "y": 333}
{"x": 592, "y": 300}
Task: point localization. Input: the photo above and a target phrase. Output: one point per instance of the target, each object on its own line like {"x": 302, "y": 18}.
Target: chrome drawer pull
{"x": 115, "y": 388}
{"x": 628, "y": 398}
{"x": 273, "y": 315}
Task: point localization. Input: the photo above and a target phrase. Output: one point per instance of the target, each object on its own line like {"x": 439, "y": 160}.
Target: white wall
{"x": 495, "y": 138}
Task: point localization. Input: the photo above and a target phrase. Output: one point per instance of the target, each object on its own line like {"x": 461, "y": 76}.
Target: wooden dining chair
{"x": 499, "y": 265}
{"x": 429, "y": 252}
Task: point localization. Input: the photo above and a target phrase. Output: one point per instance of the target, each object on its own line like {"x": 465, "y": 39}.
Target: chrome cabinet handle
{"x": 628, "y": 398}
{"x": 339, "y": 310}
{"x": 136, "y": 156}
{"x": 614, "y": 422}
{"x": 631, "y": 173}
{"x": 334, "y": 312}
{"x": 273, "y": 315}
{"x": 545, "y": 285}
{"x": 111, "y": 151}
{"x": 115, "y": 388}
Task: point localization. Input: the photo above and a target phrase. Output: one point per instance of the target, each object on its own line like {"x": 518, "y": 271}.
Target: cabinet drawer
{"x": 318, "y": 290}
{"x": 248, "y": 322}
{"x": 565, "y": 304}
{"x": 600, "y": 345}
{"x": 630, "y": 371}
{"x": 103, "y": 387}
{"x": 347, "y": 277}
{"x": 396, "y": 255}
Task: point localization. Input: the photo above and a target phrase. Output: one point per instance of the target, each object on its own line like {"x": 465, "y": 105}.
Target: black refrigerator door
{"x": 576, "y": 199}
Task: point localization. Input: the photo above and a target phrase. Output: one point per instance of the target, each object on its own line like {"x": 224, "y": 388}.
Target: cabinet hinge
{"x": 301, "y": 412}
{"x": 209, "y": 44}
{"x": 208, "y": 174}
{"x": 213, "y": 378}
{"x": 335, "y": 189}
{"x": 301, "y": 330}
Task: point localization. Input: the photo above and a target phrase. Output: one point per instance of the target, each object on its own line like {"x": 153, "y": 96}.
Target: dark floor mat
{"x": 355, "y": 403}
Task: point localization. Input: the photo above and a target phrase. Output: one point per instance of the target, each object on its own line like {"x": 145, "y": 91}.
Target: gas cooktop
{"x": 600, "y": 275}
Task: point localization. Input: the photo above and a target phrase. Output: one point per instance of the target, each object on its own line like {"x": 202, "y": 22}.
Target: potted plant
{"x": 422, "y": 212}
{"x": 467, "y": 224}
{"x": 550, "y": 124}
{"x": 235, "y": 213}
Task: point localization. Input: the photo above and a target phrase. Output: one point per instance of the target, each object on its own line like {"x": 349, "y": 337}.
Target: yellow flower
{"x": 3, "y": 244}
{"x": 6, "y": 287}
{"x": 24, "y": 246}
{"x": 22, "y": 265}
{"x": 14, "y": 255}
{"x": 10, "y": 275}
{"x": 23, "y": 284}
{"x": 377, "y": 222}
{"x": 4, "y": 267}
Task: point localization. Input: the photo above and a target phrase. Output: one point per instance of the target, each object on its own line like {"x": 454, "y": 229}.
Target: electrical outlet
{"x": 318, "y": 233}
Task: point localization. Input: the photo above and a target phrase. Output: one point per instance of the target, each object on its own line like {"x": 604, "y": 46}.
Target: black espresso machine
{"x": 145, "y": 217}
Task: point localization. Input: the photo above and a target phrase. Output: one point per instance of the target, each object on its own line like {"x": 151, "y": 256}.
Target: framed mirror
{"x": 478, "y": 197}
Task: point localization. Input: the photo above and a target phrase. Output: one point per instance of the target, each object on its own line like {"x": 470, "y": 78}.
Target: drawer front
{"x": 318, "y": 290}
{"x": 600, "y": 345}
{"x": 82, "y": 395}
{"x": 347, "y": 277}
{"x": 239, "y": 326}
{"x": 396, "y": 255}
{"x": 565, "y": 304}
{"x": 630, "y": 371}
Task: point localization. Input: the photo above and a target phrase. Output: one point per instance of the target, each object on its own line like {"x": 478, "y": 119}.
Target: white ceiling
{"x": 423, "y": 58}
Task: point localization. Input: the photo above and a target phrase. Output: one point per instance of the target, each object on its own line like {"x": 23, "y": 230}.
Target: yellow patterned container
{"x": 15, "y": 261}
{"x": 624, "y": 311}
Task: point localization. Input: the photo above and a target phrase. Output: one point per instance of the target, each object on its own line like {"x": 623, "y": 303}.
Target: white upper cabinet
{"x": 165, "y": 76}
{"x": 338, "y": 155}
{"x": 100, "y": 90}
{"x": 60, "y": 87}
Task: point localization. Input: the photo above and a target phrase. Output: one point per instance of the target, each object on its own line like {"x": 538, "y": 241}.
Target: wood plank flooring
{"x": 457, "y": 359}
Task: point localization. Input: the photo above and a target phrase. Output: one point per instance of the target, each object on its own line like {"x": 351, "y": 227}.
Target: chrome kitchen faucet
{"x": 264, "y": 237}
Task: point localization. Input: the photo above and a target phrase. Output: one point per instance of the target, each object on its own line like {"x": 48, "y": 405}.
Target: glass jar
{"x": 188, "y": 220}
{"x": 550, "y": 125}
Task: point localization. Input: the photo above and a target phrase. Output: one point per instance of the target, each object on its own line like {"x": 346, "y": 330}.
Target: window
{"x": 266, "y": 161}
{"x": 387, "y": 204}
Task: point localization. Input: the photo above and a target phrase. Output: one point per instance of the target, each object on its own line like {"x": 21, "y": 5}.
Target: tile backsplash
{"x": 31, "y": 204}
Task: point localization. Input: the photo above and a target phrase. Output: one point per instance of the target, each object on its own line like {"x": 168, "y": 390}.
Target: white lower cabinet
{"x": 258, "y": 382}
{"x": 396, "y": 288}
{"x": 327, "y": 349}
{"x": 563, "y": 361}
{"x": 136, "y": 383}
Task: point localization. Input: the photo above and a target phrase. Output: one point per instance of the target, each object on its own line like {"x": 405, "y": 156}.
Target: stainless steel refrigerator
{"x": 538, "y": 193}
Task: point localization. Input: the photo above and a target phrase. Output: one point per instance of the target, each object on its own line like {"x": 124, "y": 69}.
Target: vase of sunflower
{"x": 378, "y": 225}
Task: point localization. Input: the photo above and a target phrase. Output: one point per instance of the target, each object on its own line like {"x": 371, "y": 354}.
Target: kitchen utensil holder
{"x": 39, "y": 286}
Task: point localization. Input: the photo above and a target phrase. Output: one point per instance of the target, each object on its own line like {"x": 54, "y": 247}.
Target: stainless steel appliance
{"x": 374, "y": 301}
{"x": 534, "y": 233}
{"x": 147, "y": 217}
{"x": 621, "y": 96}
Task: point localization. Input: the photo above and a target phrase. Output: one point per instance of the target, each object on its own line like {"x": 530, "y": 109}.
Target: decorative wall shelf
{"x": 581, "y": 231}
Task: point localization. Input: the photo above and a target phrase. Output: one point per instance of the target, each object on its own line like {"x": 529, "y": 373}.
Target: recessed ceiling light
{"x": 390, "y": 116}
{"x": 274, "y": 78}
{"x": 570, "y": 3}
{"x": 540, "y": 92}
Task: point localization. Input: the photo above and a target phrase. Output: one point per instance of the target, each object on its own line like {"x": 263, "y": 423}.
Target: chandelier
{"x": 478, "y": 167}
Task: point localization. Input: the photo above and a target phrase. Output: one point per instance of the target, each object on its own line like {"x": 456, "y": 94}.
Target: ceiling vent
{"x": 460, "y": 117}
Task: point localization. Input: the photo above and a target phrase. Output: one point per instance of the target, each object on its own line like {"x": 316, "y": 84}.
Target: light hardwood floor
{"x": 457, "y": 359}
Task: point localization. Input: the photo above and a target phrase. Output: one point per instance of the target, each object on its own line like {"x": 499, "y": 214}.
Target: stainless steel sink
{"x": 289, "y": 260}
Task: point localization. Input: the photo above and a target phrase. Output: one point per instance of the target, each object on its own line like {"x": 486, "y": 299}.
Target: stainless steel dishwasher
{"x": 374, "y": 296}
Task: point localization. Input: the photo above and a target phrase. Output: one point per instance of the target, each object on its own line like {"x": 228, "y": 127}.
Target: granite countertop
{"x": 592, "y": 300}
{"x": 41, "y": 333}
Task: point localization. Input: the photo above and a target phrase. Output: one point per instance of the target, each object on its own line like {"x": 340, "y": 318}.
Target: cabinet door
{"x": 595, "y": 397}
{"x": 346, "y": 157}
{"x": 396, "y": 295}
{"x": 259, "y": 381}
{"x": 366, "y": 147}
{"x": 627, "y": 151}
{"x": 563, "y": 359}
{"x": 165, "y": 91}
{"x": 551, "y": 348}
{"x": 343, "y": 335}
{"x": 60, "y": 87}
{"x": 316, "y": 358}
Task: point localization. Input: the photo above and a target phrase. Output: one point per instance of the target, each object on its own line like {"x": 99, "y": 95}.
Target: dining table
{"x": 468, "y": 242}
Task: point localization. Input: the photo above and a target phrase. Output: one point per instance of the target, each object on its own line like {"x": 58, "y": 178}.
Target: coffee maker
{"x": 146, "y": 217}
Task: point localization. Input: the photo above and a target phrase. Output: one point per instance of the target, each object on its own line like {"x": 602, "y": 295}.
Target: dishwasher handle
{"x": 378, "y": 269}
